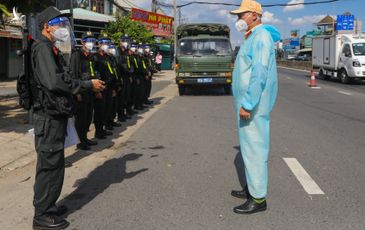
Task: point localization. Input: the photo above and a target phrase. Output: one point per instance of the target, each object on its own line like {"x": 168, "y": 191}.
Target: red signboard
{"x": 161, "y": 25}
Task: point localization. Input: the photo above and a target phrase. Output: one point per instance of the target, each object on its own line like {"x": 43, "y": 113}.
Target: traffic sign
{"x": 345, "y": 22}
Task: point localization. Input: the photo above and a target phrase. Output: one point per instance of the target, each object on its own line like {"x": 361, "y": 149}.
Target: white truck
{"x": 341, "y": 56}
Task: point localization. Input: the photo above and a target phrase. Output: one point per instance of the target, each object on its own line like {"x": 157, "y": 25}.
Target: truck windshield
{"x": 359, "y": 49}
{"x": 203, "y": 47}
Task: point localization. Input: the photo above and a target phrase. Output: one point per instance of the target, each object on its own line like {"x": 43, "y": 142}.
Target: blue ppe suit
{"x": 255, "y": 89}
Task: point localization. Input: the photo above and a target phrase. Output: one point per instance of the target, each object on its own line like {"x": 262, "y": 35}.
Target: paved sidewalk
{"x": 8, "y": 89}
{"x": 17, "y": 144}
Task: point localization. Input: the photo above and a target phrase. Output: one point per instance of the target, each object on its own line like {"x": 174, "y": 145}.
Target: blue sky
{"x": 285, "y": 19}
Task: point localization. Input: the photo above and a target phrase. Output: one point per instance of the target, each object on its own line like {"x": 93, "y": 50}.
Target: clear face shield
{"x": 112, "y": 51}
{"x": 89, "y": 44}
{"x": 62, "y": 34}
{"x": 104, "y": 45}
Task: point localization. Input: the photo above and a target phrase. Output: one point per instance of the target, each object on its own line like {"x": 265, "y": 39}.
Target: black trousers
{"x": 50, "y": 170}
{"x": 84, "y": 113}
{"x": 138, "y": 91}
{"x": 128, "y": 84}
{"x": 109, "y": 105}
{"x": 99, "y": 114}
{"x": 148, "y": 87}
{"x": 121, "y": 101}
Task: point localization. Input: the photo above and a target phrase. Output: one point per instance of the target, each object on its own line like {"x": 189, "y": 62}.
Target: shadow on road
{"x": 240, "y": 167}
{"x": 117, "y": 132}
{"x": 111, "y": 172}
{"x": 13, "y": 118}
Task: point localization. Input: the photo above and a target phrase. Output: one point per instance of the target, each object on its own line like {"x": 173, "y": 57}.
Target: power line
{"x": 233, "y": 4}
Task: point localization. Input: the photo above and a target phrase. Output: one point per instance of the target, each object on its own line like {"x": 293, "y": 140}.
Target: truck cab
{"x": 204, "y": 56}
{"x": 352, "y": 58}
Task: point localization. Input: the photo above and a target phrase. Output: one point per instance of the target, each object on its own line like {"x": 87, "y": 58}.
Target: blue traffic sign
{"x": 345, "y": 22}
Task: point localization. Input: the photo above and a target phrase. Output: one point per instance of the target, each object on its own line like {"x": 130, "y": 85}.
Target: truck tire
{"x": 227, "y": 89}
{"x": 322, "y": 76}
{"x": 181, "y": 90}
{"x": 344, "y": 78}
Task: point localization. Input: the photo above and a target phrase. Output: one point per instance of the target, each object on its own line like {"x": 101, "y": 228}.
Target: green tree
{"x": 3, "y": 13}
{"x": 135, "y": 30}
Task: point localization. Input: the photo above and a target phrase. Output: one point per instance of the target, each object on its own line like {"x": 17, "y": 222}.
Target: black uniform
{"x": 52, "y": 107}
{"x": 141, "y": 81}
{"x": 83, "y": 68}
{"x": 148, "y": 88}
{"x": 118, "y": 87}
{"x": 126, "y": 70}
{"x": 104, "y": 107}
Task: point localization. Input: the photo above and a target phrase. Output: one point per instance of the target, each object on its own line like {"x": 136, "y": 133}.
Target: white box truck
{"x": 341, "y": 56}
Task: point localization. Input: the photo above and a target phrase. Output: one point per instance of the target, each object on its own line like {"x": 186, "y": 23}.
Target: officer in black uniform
{"x": 141, "y": 79}
{"x": 135, "y": 80}
{"x": 53, "y": 91}
{"x": 103, "y": 102}
{"x": 117, "y": 87}
{"x": 125, "y": 69}
{"x": 83, "y": 68}
{"x": 148, "y": 87}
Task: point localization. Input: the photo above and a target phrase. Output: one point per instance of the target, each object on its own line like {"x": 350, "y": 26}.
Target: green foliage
{"x": 135, "y": 30}
{"x": 29, "y": 6}
{"x": 4, "y": 11}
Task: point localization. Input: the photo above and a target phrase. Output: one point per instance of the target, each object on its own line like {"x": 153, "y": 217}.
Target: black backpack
{"x": 25, "y": 80}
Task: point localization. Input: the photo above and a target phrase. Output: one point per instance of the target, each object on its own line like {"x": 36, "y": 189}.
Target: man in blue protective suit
{"x": 254, "y": 89}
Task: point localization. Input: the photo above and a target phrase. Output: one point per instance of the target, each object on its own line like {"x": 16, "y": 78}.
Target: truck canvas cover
{"x": 198, "y": 29}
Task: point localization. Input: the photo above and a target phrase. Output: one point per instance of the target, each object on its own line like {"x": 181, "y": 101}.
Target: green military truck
{"x": 204, "y": 56}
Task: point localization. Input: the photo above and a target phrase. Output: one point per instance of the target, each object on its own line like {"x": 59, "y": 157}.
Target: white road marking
{"x": 345, "y": 93}
{"x": 309, "y": 185}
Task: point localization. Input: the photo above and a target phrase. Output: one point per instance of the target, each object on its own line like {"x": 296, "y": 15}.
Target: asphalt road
{"x": 177, "y": 170}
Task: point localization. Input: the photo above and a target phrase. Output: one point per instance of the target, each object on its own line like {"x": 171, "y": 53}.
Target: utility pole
{"x": 72, "y": 13}
{"x": 175, "y": 28}
{"x": 154, "y": 6}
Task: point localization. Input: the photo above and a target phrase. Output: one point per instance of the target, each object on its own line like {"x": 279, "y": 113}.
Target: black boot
{"x": 83, "y": 146}
{"x": 116, "y": 124}
{"x": 90, "y": 142}
{"x": 250, "y": 206}
{"x": 100, "y": 135}
{"x": 243, "y": 194}
{"x": 47, "y": 222}
{"x": 107, "y": 133}
{"x": 109, "y": 127}
{"x": 121, "y": 118}
{"x": 148, "y": 102}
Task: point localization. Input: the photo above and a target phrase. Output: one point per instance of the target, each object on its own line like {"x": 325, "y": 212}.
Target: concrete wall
{"x": 304, "y": 65}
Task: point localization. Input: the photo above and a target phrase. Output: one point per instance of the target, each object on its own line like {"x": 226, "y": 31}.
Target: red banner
{"x": 160, "y": 25}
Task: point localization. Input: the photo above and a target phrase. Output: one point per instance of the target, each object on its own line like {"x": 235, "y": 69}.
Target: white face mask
{"x": 241, "y": 26}
{"x": 89, "y": 46}
{"x": 133, "y": 49}
{"x": 105, "y": 48}
{"x": 61, "y": 34}
{"x": 112, "y": 52}
{"x": 140, "y": 51}
{"x": 147, "y": 50}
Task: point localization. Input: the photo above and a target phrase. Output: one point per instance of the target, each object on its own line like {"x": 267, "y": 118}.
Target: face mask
{"x": 105, "y": 48}
{"x": 61, "y": 34}
{"x": 147, "y": 50}
{"x": 140, "y": 51}
{"x": 112, "y": 52}
{"x": 89, "y": 46}
{"x": 133, "y": 49}
{"x": 241, "y": 26}
{"x": 125, "y": 44}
